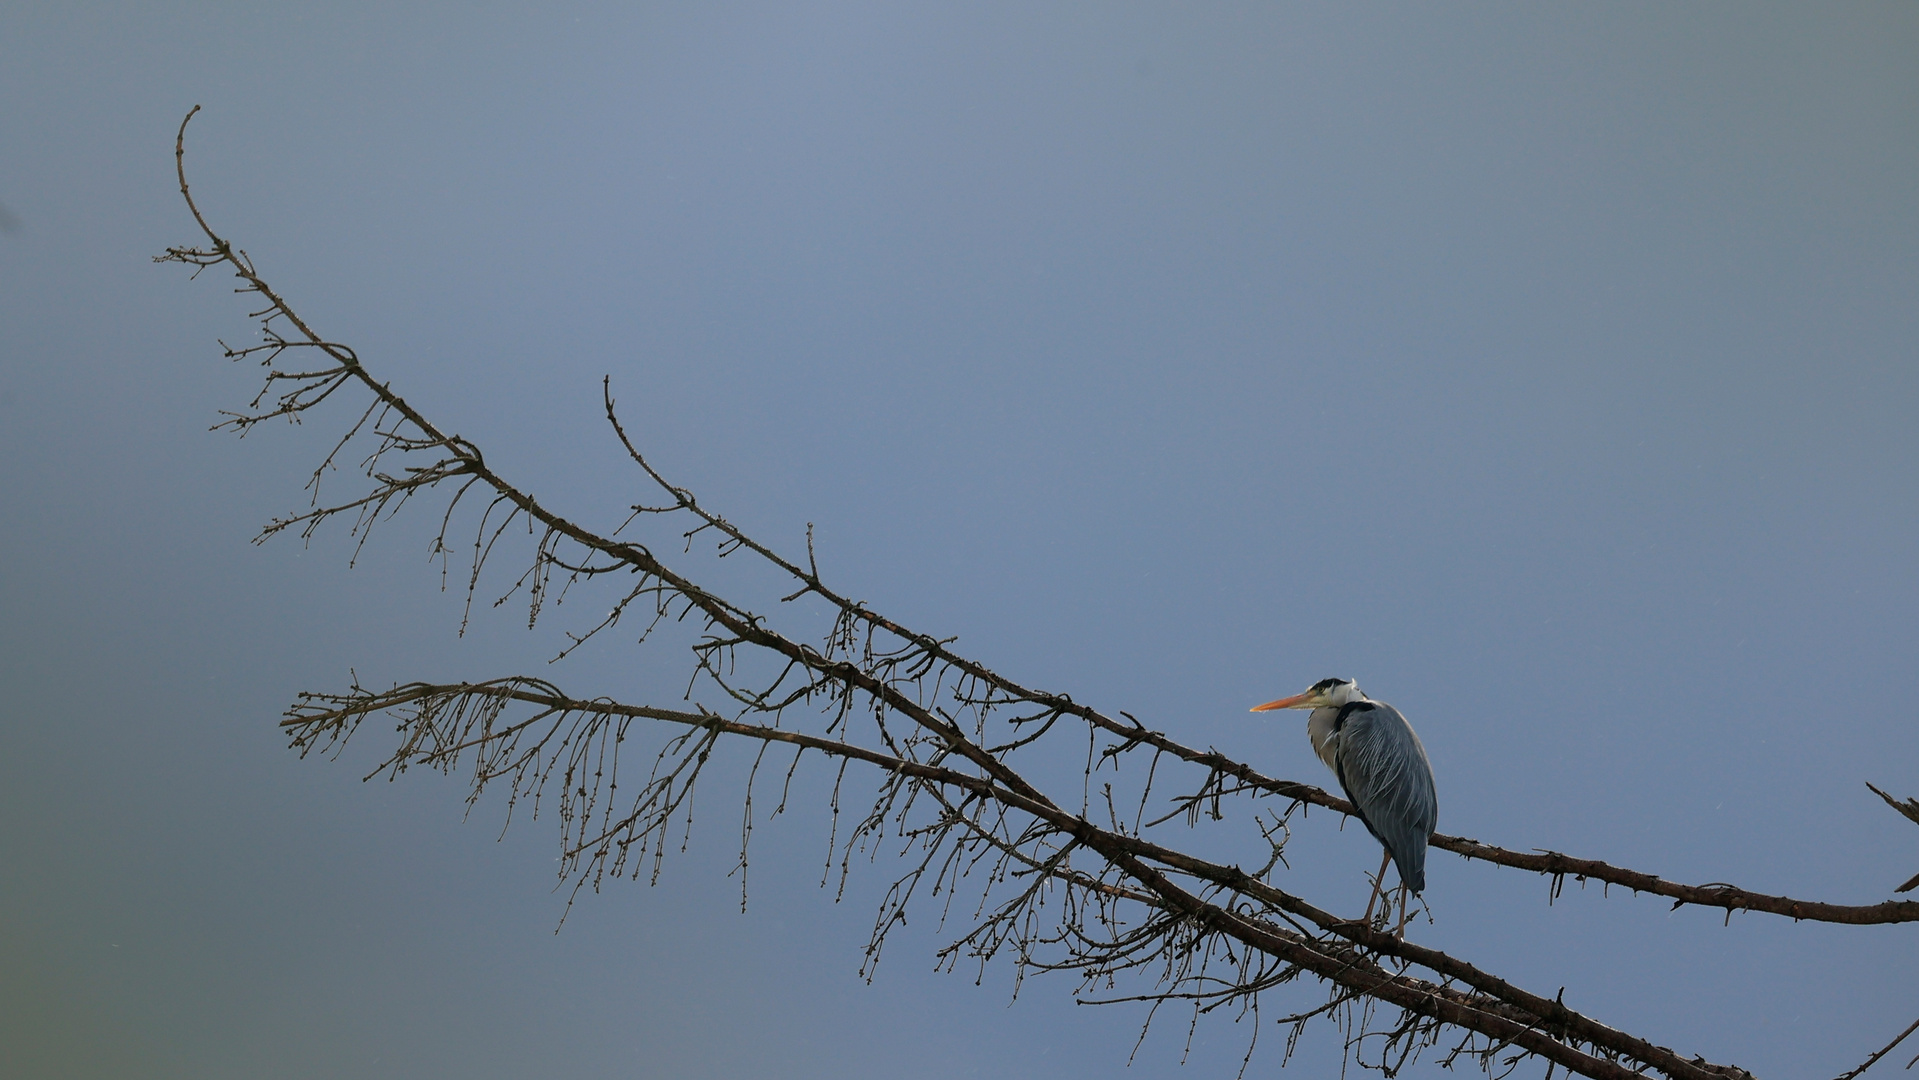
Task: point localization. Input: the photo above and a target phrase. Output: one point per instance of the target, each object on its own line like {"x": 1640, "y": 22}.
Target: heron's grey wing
{"x": 1385, "y": 773}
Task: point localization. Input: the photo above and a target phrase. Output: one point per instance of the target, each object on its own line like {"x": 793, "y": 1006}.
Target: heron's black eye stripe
{"x": 1328, "y": 684}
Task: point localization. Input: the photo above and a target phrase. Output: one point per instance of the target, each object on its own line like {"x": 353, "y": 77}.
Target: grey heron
{"x": 1382, "y": 767}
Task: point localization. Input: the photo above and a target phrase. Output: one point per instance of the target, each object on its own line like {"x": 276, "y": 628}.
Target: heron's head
{"x": 1324, "y": 694}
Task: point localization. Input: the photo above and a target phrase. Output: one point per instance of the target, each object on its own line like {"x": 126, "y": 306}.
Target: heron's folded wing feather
{"x": 1385, "y": 772}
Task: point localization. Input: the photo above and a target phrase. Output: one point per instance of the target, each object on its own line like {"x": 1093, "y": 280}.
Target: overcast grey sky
{"x": 1550, "y": 371}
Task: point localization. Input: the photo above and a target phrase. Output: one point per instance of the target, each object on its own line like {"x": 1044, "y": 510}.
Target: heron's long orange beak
{"x": 1283, "y": 703}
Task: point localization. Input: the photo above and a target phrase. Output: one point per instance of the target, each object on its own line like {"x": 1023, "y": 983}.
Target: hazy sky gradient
{"x": 1550, "y": 371}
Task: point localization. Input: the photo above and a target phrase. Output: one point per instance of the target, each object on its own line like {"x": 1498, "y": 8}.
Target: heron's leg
{"x": 1404, "y": 897}
{"x": 1379, "y": 882}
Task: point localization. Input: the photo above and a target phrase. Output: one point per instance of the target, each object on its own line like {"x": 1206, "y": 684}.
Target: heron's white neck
{"x": 1319, "y": 726}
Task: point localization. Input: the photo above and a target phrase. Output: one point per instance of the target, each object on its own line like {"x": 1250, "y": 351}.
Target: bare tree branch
{"x": 1550, "y": 863}
{"x": 1886, "y": 1049}
{"x": 441, "y": 722}
{"x": 1909, "y": 808}
{"x": 952, "y": 744}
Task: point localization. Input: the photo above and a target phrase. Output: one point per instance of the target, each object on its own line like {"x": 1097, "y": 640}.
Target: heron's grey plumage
{"x": 1381, "y": 766}
{"x": 1383, "y": 769}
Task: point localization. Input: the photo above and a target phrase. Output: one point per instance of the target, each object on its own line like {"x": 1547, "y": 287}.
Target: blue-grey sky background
{"x": 1550, "y": 371}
